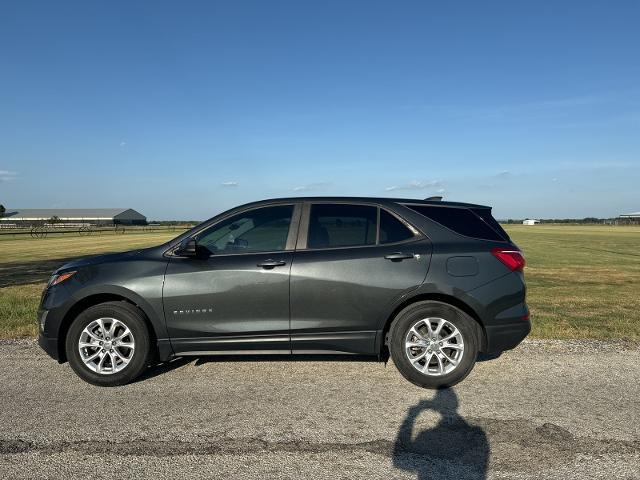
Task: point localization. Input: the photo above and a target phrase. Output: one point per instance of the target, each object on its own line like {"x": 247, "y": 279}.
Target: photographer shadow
{"x": 453, "y": 449}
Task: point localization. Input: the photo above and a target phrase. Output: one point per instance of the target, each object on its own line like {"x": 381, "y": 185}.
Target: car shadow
{"x": 177, "y": 362}
{"x": 309, "y": 357}
{"x": 15, "y": 274}
{"x": 283, "y": 358}
{"x": 162, "y": 368}
{"x": 453, "y": 449}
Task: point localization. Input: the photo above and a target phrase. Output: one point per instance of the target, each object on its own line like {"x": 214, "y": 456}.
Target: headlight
{"x": 59, "y": 278}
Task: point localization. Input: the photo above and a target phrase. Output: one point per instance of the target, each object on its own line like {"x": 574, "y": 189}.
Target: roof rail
{"x": 436, "y": 198}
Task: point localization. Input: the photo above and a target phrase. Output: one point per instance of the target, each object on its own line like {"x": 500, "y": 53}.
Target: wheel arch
{"x": 439, "y": 297}
{"x": 96, "y": 299}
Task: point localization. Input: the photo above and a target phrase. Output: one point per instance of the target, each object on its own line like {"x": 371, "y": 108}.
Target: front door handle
{"x": 398, "y": 256}
{"x": 270, "y": 263}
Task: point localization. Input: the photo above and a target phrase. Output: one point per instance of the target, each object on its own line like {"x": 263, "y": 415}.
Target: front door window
{"x": 259, "y": 230}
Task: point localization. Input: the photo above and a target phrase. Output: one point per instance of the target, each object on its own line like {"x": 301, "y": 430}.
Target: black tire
{"x": 133, "y": 319}
{"x": 401, "y": 325}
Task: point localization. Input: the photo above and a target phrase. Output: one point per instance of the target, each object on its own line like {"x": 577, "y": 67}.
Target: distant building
{"x": 631, "y": 217}
{"x": 91, "y": 216}
{"x": 530, "y": 221}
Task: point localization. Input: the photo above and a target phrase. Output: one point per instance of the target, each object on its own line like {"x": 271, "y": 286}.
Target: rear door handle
{"x": 398, "y": 256}
{"x": 270, "y": 263}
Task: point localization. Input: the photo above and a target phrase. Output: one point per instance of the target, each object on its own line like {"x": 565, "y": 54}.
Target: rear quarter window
{"x": 485, "y": 214}
{"x": 392, "y": 230}
{"x": 463, "y": 221}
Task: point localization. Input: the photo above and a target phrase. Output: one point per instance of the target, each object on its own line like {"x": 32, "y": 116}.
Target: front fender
{"x": 151, "y": 306}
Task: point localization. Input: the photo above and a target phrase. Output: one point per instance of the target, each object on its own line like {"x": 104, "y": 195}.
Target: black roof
{"x": 436, "y": 203}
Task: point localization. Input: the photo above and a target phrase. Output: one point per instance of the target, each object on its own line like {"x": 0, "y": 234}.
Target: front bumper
{"x": 53, "y": 306}
{"x": 49, "y": 345}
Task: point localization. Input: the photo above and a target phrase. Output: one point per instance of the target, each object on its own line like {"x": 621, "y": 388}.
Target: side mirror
{"x": 187, "y": 248}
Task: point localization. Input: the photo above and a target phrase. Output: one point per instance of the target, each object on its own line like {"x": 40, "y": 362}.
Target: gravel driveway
{"x": 549, "y": 409}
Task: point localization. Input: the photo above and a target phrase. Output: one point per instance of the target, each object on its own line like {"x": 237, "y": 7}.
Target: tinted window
{"x": 341, "y": 225}
{"x": 485, "y": 214}
{"x": 460, "y": 220}
{"x": 391, "y": 229}
{"x": 260, "y": 230}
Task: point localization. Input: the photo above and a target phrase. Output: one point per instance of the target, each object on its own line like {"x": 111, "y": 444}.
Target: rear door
{"x": 353, "y": 261}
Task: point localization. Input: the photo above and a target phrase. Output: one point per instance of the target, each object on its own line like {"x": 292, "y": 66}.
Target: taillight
{"x": 513, "y": 259}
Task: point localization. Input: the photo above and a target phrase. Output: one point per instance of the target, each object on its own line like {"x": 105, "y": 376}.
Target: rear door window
{"x": 341, "y": 225}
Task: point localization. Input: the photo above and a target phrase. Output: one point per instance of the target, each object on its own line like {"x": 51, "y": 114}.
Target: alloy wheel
{"x": 106, "y": 346}
{"x": 434, "y": 346}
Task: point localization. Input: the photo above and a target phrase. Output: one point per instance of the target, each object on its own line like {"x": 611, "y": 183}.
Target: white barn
{"x": 633, "y": 217}
{"x": 530, "y": 221}
{"x": 92, "y": 216}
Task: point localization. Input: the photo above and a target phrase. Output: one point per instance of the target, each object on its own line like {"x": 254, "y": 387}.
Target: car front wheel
{"x": 108, "y": 344}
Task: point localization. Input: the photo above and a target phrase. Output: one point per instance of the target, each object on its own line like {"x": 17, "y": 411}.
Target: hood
{"x": 97, "y": 259}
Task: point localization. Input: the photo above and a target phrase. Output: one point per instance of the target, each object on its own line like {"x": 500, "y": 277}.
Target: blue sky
{"x": 184, "y": 109}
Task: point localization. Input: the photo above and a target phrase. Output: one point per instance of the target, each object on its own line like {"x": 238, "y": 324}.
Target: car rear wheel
{"x": 433, "y": 344}
{"x": 108, "y": 344}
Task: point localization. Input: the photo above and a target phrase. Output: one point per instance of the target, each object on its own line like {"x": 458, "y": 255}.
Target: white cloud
{"x": 417, "y": 185}
{"x": 503, "y": 174}
{"x": 7, "y": 175}
{"x": 311, "y": 187}
{"x": 122, "y": 144}
{"x": 230, "y": 184}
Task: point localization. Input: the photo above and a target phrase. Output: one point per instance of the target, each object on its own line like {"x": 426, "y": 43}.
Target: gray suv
{"x": 431, "y": 283}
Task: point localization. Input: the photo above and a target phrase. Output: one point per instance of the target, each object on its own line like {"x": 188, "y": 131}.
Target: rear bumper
{"x": 506, "y": 336}
{"x": 502, "y": 307}
{"x": 508, "y": 328}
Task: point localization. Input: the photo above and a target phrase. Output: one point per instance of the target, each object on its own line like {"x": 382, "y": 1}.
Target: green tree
{"x": 2, "y": 211}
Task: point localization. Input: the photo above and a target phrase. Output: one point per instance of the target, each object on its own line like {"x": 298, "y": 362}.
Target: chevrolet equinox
{"x": 430, "y": 283}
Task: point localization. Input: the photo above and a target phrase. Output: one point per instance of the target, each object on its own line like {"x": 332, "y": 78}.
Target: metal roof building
{"x": 95, "y": 216}
{"x": 630, "y": 218}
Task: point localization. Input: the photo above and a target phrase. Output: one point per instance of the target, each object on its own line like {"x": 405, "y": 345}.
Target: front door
{"x": 235, "y": 297}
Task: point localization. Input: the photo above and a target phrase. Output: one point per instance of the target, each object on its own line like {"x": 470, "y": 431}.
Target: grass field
{"x": 583, "y": 281}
